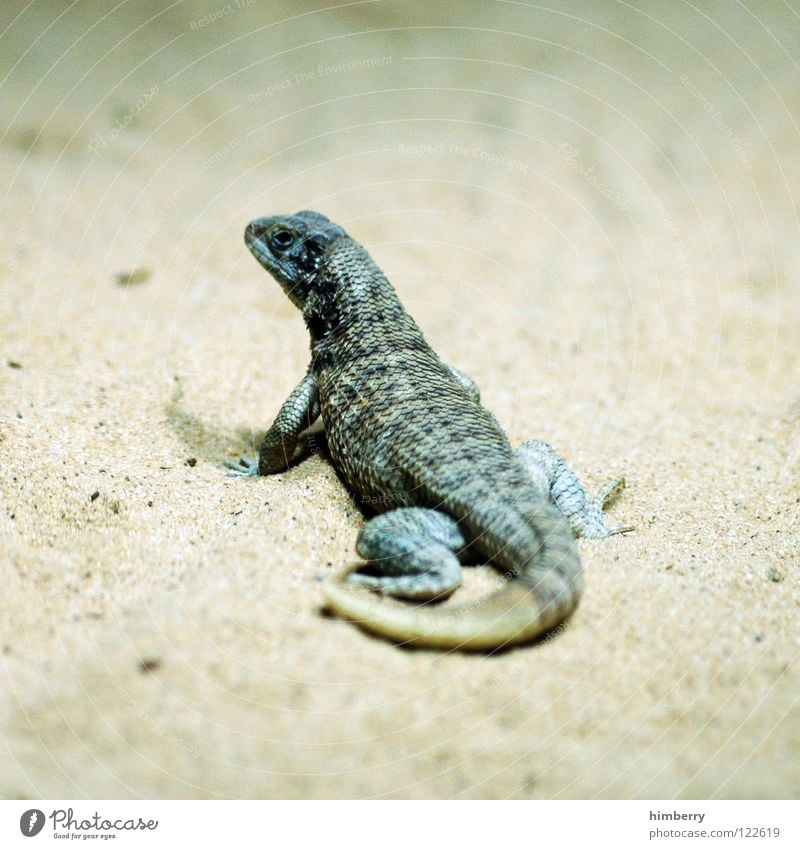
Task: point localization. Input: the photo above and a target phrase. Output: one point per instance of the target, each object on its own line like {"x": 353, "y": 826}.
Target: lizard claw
{"x": 599, "y": 529}
{"x": 619, "y": 529}
{"x": 610, "y": 492}
{"x": 242, "y": 468}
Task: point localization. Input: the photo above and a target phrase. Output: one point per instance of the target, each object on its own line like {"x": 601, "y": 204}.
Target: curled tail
{"x": 539, "y": 595}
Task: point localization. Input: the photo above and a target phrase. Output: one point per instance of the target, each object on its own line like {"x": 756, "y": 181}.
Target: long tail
{"x": 536, "y": 598}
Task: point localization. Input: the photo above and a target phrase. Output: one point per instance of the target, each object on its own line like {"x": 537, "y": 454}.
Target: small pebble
{"x": 132, "y": 278}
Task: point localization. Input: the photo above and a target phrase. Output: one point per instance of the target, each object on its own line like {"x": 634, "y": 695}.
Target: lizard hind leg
{"x": 410, "y": 553}
{"x": 552, "y": 474}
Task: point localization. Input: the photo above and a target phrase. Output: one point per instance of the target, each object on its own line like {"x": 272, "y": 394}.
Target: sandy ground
{"x": 590, "y": 210}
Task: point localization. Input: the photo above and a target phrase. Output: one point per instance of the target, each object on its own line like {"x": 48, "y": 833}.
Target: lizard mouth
{"x": 254, "y": 239}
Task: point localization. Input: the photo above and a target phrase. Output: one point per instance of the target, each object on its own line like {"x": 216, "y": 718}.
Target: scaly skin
{"x": 410, "y": 439}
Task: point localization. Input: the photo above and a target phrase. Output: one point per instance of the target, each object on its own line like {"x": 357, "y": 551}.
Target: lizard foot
{"x": 593, "y": 519}
{"x": 242, "y": 468}
{"x": 585, "y": 515}
{"x": 410, "y": 554}
{"x": 430, "y": 586}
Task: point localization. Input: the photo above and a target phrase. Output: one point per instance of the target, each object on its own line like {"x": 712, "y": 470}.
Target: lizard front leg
{"x": 551, "y": 474}
{"x": 299, "y": 411}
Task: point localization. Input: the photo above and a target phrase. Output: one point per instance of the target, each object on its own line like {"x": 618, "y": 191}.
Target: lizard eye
{"x": 281, "y": 238}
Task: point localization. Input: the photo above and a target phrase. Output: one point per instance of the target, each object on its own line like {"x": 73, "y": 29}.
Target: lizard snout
{"x": 256, "y": 230}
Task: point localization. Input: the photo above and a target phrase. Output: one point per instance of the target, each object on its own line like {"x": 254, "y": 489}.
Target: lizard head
{"x": 291, "y": 248}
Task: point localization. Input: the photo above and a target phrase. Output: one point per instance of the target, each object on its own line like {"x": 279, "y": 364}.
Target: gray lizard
{"x": 409, "y": 437}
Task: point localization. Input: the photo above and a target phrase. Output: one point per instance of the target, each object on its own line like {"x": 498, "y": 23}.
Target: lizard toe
{"x": 242, "y": 468}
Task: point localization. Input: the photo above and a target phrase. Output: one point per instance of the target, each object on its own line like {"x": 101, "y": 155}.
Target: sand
{"x": 590, "y": 210}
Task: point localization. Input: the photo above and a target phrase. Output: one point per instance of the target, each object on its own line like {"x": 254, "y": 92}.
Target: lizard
{"x": 409, "y": 437}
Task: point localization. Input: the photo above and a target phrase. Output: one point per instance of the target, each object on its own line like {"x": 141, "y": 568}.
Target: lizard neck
{"x": 350, "y": 299}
